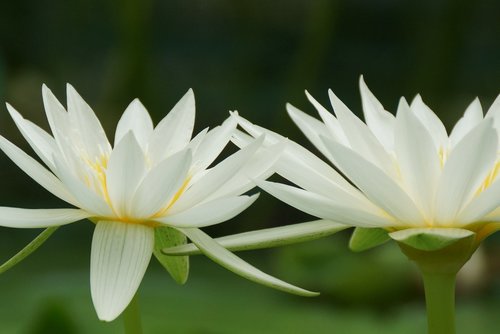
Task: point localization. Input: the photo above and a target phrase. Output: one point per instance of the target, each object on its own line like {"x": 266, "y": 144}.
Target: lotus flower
{"x": 152, "y": 188}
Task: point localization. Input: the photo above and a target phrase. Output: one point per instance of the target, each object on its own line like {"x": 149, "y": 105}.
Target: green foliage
{"x": 366, "y": 238}
{"x": 177, "y": 266}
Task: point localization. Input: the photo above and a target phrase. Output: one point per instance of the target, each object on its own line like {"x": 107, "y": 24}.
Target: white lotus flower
{"x": 150, "y": 178}
{"x": 396, "y": 172}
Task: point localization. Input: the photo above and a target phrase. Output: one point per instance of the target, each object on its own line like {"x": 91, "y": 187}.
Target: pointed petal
{"x": 210, "y": 213}
{"x": 431, "y": 122}
{"x": 119, "y": 258}
{"x": 90, "y": 130}
{"x": 233, "y": 263}
{"x": 126, "y": 168}
{"x": 418, "y": 158}
{"x": 361, "y": 139}
{"x": 464, "y": 170}
{"x": 36, "y": 171}
{"x": 472, "y": 117}
{"x": 267, "y": 238}
{"x": 38, "y": 218}
{"x": 378, "y": 187}
{"x": 174, "y": 132}
{"x": 160, "y": 184}
{"x": 56, "y": 114}
{"x": 136, "y": 119}
{"x": 325, "y": 208}
{"x": 380, "y": 121}
{"x": 480, "y": 206}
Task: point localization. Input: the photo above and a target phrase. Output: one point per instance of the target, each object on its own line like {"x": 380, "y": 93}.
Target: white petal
{"x": 231, "y": 262}
{"x": 494, "y": 110}
{"x": 36, "y": 171}
{"x": 126, "y": 168}
{"x": 136, "y": 119}
{"x": 90, "y": 130}
{"x": 376, "y": 185}
{"x": 38, "y": 218}
{"x": 464, "y": 170}
{"x": 418, "y": 158}
{"x": 160, "y": 184}
{"x": 174, "y": 132}
{"x": 431, "y": 122}
{"x": 56, "y": 114}
{"x": 472, "y": 117}
{"x": 310, "y": 126}
{"x": 480, "y": 206}
{"x": 215, "y": 177}
{"x": 361, "y": 139}
{"x": 119, "y": 258}
{"x": 380, "y": 121}
{"x": 325, "y": 208}
{"x": 331, "y": 123}
{"x": 40, "y": 141}
{"x": 210, "y": 213}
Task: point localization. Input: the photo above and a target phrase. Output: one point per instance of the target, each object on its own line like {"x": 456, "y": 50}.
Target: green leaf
{"x": 365, "y": 238}
{"x": 430, "y": 239}
{"x": 30, "y": 248}
{"x": 266, "y": 238}
{"x": 178, "y": 266}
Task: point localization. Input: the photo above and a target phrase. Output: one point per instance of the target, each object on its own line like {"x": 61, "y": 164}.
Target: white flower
{"x": 396, "y": 172}
{"x": 152, "y": 177}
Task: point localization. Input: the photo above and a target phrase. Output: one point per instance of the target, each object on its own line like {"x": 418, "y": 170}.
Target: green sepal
{"x": 28, "y": 249}
{"x": 430, "y": 239}
{"x": 177, "y": 266}
{"x": 366, "y": 238}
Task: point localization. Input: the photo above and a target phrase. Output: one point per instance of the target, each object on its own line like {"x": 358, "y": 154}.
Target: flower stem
{"x": 132, "y": 317}
{"x": 440, "y": 302}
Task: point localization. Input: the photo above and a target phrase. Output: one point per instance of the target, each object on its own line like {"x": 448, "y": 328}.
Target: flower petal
{"x": 174, "y": 131}
{"x": 472, "y": 117}
{"x": 375, "y": 184}
{"x": 266, "y": 238}
{"x": 38, "y": 218}
{"x": 464, "y": 170}
{"x": 210, "y": 213}
{"x": 160, "y": 184}
{"x": 323, "y": 207}
{"x": 119, "y": 258}
{"x": 56, "y": 114}
{"x": 480, "y": 206}
{"x": 380, "y": 121}
{"x": 136, "y": 119}
{"x": 233, "y": 263}
{"x": 126, "y": 168}
{"x": 36, "y": 171}
{"x": 431, "y": 122}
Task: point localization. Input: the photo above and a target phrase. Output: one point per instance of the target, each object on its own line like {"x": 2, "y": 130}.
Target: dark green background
{"x": 253, "y": 56}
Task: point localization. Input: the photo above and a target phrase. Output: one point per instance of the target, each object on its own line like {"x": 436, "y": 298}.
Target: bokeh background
{"x": 250, "y": 56}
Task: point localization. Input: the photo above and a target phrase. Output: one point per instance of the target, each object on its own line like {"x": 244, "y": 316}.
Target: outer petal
{"x": 119, "y": 258}
{"x": 323, "y": 207}
{"x": 36, "y": 171}
{"x": 175, "y": 130}
{"x": 430, "y": 121}
{"x": 210, "y": 213}
{"x": 136, "y": 119}
{"x": 126, "y": 168}
{"x": 376, "y": 185}
{"x": 465, "y": 169}
{"x": 38, "y": 218}
{"x": 380, "y": 121}
{"x": 231, "y": 262}
{"x": 472, "y": 117}
{"x": 160, "y": 184}
{"x": 418, "y": 158}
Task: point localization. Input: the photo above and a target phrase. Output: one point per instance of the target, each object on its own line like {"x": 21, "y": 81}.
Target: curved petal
{"x": 119, "y": 258}
{"x": 472, "y": 117}
{"x": 38, "y": 218}
{"x": 464, "y": 170}
{"x": 210, "y": 213}
{"x": 233, "y": 263}
{"x": 481, "y": 205}
{"x": 126, "y": 168}
{"x": 56, "y": 114}
{"x": 432, "y": 123}
{"x": 136, "y": 119}
{"x": 174, "y": 131}
{"x": 376, "y": 185}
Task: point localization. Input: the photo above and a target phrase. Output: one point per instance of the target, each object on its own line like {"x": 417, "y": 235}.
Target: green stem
{"x": 132, "y": 317}
{"x": 440, "y": 302}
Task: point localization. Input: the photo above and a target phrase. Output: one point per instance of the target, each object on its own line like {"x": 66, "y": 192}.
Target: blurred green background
{"x": 253, "y": 56}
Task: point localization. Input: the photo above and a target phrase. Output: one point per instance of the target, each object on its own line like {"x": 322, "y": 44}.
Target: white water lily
{"x": 151, "y": 178}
